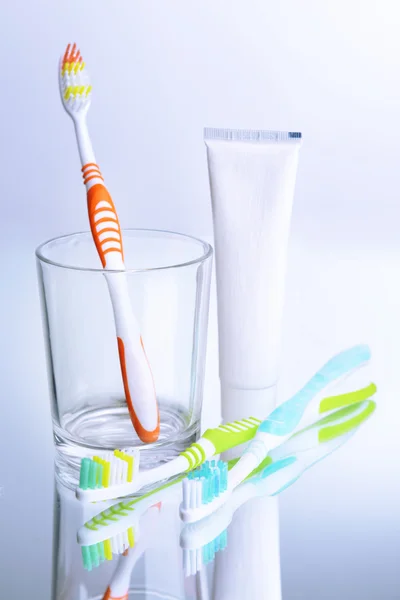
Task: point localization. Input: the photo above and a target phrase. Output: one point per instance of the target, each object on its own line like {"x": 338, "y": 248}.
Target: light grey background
{"x": 161, "y": 71}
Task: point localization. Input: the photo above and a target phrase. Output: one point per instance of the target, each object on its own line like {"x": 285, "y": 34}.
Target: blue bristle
{"x": 212, "y": 485}
{"x": 220, "y": 477}
{"x": 217, "y": 482}
{"x": 225, "y": 477}
{"x": 214, "y": 479}
{"x": 209, "y": 489}
{"x": 212, "y": 548}
{"x": 206, "y": 485}
{"x": 204, "y": 492}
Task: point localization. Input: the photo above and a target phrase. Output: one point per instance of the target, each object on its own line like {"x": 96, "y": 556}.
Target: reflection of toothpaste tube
{"x": 253, "y": 549}
{"x": 252, "y": 180}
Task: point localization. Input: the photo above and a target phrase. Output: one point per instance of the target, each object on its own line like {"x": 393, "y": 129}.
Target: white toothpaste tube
{"x": 252, "y": 181}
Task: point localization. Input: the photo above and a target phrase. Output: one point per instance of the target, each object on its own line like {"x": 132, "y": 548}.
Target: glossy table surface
{"x": 332, "y": 533}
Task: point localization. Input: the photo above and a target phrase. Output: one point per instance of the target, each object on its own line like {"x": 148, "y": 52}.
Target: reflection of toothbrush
{"x": 137, "y": 377}
{"x": 119, "y": 585}
{"x": 202, "y": 540}
{"x": 99, "y": 481}
{"x": 291, "y": 416}
{"x": 116, "y": 529}
{"x": 118, "y": 588}
{"x": 99, "y": 542}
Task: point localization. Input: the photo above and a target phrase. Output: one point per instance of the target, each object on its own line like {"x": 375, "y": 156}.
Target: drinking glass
{"x": 168, "y": 277}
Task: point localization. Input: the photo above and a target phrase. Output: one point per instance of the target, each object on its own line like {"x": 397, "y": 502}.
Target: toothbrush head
{"x": 112, "y": 468}
{"x": 75, "y": 88}
{"x": 93, "y": 555}
{"x": 198, "y": 553}
{"x": 205, "y": 484}
{"x": 115, "y": 531}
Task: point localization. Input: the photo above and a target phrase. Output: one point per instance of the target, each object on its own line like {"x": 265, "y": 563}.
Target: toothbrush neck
{"x": 84, "y": 144}
{"x": 90, "y": 170}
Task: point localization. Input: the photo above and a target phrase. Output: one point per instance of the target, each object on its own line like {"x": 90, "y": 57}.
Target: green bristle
{"x": 87, "y": 561}
{"x": 84, "y": 474}
{"x": 94, "y": 555}
{"x": 100, "y": 475}
{"x": 92, "y": 475}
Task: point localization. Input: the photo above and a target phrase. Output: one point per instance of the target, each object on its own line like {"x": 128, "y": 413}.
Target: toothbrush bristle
{"x": 95, "y": 554}
{"x": 113, "y": 468}
{"x": 205, "y": 484}
{"x": 195, "y": 559}
{"x": 74, "y": 81}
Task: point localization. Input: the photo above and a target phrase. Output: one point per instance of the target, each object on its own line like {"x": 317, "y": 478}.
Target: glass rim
{"x": 207, "y": 252}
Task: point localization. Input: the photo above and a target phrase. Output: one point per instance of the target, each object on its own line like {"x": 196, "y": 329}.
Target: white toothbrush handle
{"x": 136, "y": 372}
{"x": 248, "y": 462}
{"x": 253, "y": 456}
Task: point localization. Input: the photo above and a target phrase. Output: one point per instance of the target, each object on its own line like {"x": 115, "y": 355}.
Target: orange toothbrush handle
{"x": 104, "y": 224}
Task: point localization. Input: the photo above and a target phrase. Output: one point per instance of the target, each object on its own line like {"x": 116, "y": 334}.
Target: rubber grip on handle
{"x": 97, "y": 194}
{"x": 224, "y": 441}
{"x": 144, "y": 434}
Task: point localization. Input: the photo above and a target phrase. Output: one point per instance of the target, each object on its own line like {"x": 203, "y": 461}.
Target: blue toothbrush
{"x": 202, "y": 540}
{"x": 210, "y": 486}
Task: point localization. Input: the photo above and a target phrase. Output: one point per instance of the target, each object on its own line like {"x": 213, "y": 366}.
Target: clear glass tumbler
{"x": 168, "y": 277}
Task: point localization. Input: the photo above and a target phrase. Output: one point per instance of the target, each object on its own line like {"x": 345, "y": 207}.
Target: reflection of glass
{"x": 250, "y": 565}
{"x": 168, "y": 278}
{"x": 150, "y": 569}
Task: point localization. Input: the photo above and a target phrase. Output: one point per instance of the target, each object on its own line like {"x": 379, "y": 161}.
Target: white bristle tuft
{"x": 114, "y": 545}
{"x": 193, "y": 494}
{"x": 118, "y": 469}
{"x": 185, "y": 492}
{"x": 185, "y": 563}
{"x": 192, "y": 562}
{"x": 199, "y": 494}
{"x": 199, "y": 560}
{"x": 124, "y": 471}
{"x": 113, "y": 471}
